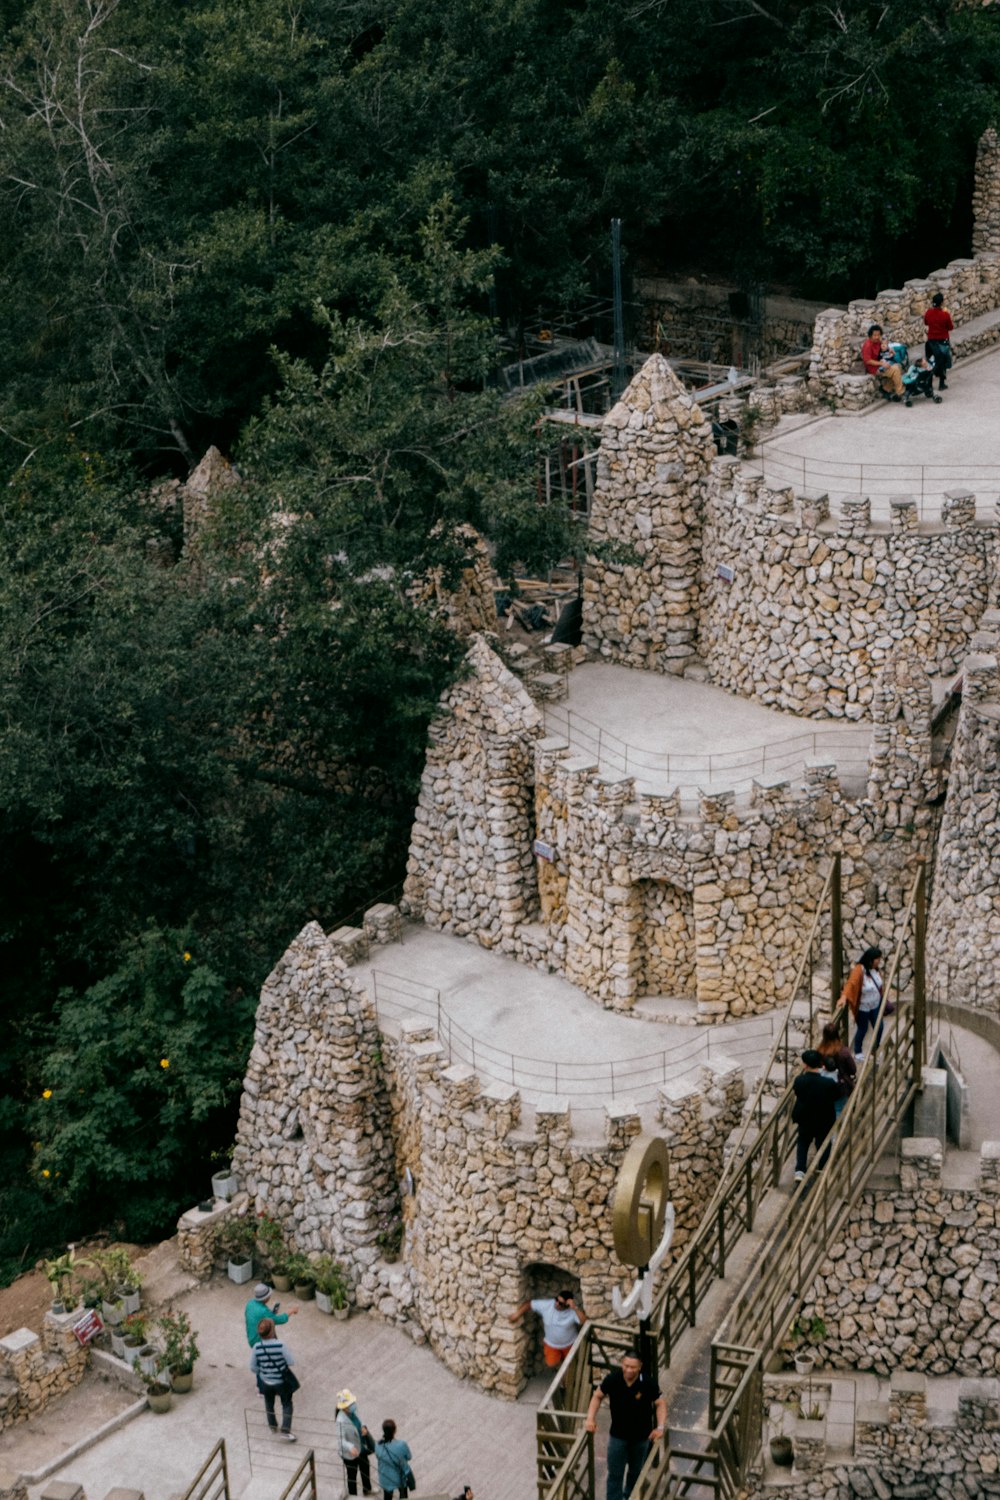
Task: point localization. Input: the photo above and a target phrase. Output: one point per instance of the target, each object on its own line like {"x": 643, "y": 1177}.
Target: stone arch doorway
{"x": 540, "y": 1279}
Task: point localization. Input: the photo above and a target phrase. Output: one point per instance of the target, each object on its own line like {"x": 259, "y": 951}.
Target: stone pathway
{"x": 457, "y": 1434}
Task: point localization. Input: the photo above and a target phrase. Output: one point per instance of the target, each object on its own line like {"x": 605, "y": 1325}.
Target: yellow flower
{"x": 187, "y": 958}
{"x": 46, "y": 1093}
{"x": 45, "y": 1171}
{"x": 164, "y": 1062}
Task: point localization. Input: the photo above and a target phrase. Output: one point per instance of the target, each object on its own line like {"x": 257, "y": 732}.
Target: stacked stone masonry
{"x": 333, "y": 1115}
{"x": 964, "y": 927}
{"x": 913, "y": 1283}
{"x": 776, "y": 599}
{"x": 637, "y": 897}
{"x": 35, "y": 1370}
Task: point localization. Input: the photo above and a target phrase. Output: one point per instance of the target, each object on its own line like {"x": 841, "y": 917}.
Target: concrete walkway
{"x": 515, "y": 1024}
{"x": 458, "y": 1435}
{"x": 888, "y": 451}
{"x": 672, "y": 732}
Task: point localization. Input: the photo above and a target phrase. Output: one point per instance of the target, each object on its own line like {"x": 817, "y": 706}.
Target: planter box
{"x": 117, "y": 1344}
{"x": 240, "y": 1272}
{"x": 130, "y": 1298}
{"x": 130, "y": 1353}
{"x": 112, "y": 1314}
{"x": 147, "y": 1359}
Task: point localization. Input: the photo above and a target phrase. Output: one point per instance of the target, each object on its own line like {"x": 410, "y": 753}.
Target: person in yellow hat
{"x": 355, "y": 1443}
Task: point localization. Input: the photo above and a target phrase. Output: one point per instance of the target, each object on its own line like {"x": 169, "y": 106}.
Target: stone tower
{"x": 656, "y": 451}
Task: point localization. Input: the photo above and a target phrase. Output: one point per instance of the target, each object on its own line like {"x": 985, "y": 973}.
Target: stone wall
{"x": 801, "y": 612}
{"x": 694, "y": 320}
{"x": 964, "y": 926}
{"x": 904, "y": 1450}
{"x": 913, "y": 1282}
{"x": 495, "y": 1207}
{"x": 35, "y": 1370}
{"x": 636, "y": 896}
{"x": 313, "y": 1145}
{"x": 652, "y": 468}
{"x": 780, "y": 601}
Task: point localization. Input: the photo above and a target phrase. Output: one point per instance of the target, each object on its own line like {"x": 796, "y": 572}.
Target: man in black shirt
{"x": 815, "y": 1108}
{"x": 638, "y": 1417}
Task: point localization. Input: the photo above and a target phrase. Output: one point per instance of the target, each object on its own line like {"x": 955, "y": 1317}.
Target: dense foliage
{"x": 298, "y": 230}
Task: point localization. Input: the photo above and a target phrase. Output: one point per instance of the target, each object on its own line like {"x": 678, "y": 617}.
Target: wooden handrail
{"x": 217, "y": 1457}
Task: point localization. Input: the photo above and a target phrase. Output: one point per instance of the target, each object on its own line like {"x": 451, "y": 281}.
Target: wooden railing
{"x": 302, "y": 1485}
{"x": 212, "y": 1480}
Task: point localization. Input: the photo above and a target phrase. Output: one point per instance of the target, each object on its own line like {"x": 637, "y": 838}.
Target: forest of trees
{"x": 308, "y": 231}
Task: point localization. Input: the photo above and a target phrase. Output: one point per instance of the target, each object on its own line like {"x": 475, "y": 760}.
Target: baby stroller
{"x": 917, "y": 380}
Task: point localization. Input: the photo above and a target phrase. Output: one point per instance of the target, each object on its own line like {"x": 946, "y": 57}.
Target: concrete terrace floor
{"x": 516, "y": 1025}
{"x": 888, "y": 451}
{"x": 672, "y": 732}
{"x": 457, "y": 1433}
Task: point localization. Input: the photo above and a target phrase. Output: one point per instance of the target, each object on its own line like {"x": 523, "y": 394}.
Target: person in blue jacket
{"x": 394, "y": 1456}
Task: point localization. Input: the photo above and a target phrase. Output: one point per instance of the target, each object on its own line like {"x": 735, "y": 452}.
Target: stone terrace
{"x": 671, "y": 732}
{"x": 515, "y": 1024}
{"x": 888, "y": 451}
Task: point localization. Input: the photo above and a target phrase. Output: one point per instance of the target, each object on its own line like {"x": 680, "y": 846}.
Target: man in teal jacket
{"x": 257, "y": 1308}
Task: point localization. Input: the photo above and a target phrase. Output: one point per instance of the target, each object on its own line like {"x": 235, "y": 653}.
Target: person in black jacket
{"x": 815, "y": 1108}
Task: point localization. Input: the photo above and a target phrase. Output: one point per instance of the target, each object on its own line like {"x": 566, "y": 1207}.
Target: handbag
{"x": 367, "y": 1442}
{"x": 411, "y": 1482}
{"x": 291, "y": 1383}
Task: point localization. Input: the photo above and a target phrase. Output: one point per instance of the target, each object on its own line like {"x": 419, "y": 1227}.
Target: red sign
{"x": 88, "y": 1326}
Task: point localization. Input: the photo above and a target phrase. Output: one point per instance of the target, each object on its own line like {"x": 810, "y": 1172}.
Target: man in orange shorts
{"x": 561, "y": 1322}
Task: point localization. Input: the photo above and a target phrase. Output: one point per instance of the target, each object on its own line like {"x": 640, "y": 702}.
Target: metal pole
{"x": 618, "y": 373}
{"x": 836, "y": 936}
{"x": 920, "y": 977}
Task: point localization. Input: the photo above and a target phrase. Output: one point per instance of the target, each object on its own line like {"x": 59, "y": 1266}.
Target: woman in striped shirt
{"x": 271, "y": 1362}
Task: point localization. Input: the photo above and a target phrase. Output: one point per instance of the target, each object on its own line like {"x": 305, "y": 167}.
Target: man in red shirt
{"x": 885, "y": 369}
{"x": 938, "y": 346}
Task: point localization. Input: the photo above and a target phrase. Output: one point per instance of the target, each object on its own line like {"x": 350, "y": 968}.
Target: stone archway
{"x": 540, "y": 1279}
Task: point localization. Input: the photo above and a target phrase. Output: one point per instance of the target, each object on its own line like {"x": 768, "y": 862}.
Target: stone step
{"x": 669, "y": 1009}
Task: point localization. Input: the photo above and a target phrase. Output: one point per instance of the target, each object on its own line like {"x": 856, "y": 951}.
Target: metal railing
{"x": 636, "y": 1078}
{"x": 212, "y": 1480}
{"x": 786, "y": 1267}
{"x": 770, "y": 1297}
{"x": 302, "y": 1485}
{"x": 754, "y": 1165}
{"x": 731, "y": 770}
{"x": 925, "y": 483}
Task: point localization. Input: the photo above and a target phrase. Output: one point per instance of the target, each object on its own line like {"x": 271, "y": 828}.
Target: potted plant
{"x": 158, "y": 1392}
{"x": 61, "y": 1272}
{"x": 331, "y": 1286}
{"x": 122, "y": 1281}
{"x": 301, "y": 1271}
{"x": 180, "y": 1349}
{"x": 237, "y": 1241}
{"x": 224, "y": 1184}
{"x": 805, "y": 1332}
{"x": 134, "y": 1337}
{"x": 390, "y": 1236}
{"x": 274, "y": 1252}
